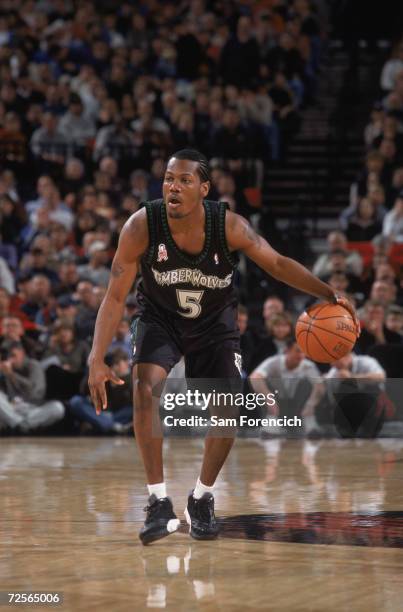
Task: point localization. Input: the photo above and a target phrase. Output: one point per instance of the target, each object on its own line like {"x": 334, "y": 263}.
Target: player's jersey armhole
{"x": 232, "y": 258}
{"x": 151, "y": 233}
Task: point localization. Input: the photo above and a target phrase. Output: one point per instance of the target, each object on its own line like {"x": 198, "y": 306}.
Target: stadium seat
{"x": 365, "y": 249}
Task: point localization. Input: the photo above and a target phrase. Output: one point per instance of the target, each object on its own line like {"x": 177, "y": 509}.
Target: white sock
{"x": 201, "y": 489}
{"x": 310, "y": 423}
{"x": 159, "y": 489}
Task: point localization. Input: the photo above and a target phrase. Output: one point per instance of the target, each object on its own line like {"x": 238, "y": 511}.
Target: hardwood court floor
{"x": 306, "y": 526}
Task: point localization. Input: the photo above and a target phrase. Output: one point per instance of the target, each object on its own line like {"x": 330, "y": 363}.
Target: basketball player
{"x": 186, "y": 246}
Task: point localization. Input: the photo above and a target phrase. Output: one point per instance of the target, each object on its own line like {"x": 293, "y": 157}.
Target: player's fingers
{"x": 102, "y": 395}
{"x": 115, "y": 379}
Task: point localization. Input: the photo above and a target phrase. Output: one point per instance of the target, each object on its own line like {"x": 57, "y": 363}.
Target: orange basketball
{"x": 325, "y": 332}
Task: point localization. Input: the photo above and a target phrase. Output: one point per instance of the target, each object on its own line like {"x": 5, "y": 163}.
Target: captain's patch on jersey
{"x": 162, "y": 253}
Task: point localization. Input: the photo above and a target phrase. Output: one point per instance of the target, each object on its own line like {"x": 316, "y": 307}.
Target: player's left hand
{"x": 343, "y": 301}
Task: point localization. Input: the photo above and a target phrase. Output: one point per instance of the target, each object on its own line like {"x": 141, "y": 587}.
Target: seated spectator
{"x": 51, "y": 202}
{"x": 12, "y": 220}
{"x": 391, "y": 68}
{"x": 394, "y": 189}
{"x": 48, "y": 142}
{"x": 364, "y": 224}
{"x": 90, "y": 297}
{"x": 375, "y": 126}
{"x": 68, "y": 278}
{"x": 22, "y": 399}
{"x": 96, "y": 271}
{"x": 12, "y": 330}
{"x": 36, "y": 264}
{"x": 383, "y": 292}
{"x": 6, "y": 278}
{"x": 296, "y": 382}
{"x": 73, "y": 176}
{"x": 394, "y": 319}
{"x": 122, "y": 339}
{"x": 64, "y": 349}
{"x": 66, "y": 309}
{"x": 393, "y": 221}
{"x": 338, "y": 263}
{"x": 75, "y": 124}
{"x": 37, "y": 303}
{"x": 337, "y": 241}
{"x": 278, "y": 328}
{"x": 119, "y": 414}
{"x": 353, "y": 385}
{"x": 373, "y": 329}
{"x": 9, "y": 306}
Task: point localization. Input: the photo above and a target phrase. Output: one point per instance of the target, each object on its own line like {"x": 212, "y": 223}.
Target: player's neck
{"x": 195, "y": 218}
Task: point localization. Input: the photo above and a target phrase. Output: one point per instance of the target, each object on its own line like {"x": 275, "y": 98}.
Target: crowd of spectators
{"x": 92, "y": 102}
{"x": 94, "y": 97}
{"x": 363, "y": 259}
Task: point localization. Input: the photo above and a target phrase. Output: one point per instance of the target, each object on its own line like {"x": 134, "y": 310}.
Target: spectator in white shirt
{"x": 295, "y": 380}
{"x": 353, "y": 387}
{"x": 393, "y": 221}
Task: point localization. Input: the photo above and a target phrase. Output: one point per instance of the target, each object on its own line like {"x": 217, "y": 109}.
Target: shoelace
{"x": 154, "y": 507}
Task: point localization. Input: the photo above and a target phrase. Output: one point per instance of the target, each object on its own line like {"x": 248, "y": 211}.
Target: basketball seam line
{"x": 329, "y": 331}
{"x": 324, "y": 348}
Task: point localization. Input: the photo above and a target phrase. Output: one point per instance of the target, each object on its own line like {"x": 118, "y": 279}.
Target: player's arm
{"x": 241, "y": 236}
{"x": 133, "y": 242}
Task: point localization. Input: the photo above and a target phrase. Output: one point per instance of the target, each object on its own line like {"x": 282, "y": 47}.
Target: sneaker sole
{"x": 171, "y": 527}
{"x": 193, "y": 535}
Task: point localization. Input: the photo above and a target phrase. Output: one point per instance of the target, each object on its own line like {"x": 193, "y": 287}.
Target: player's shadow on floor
{"x": 383, "y": 529}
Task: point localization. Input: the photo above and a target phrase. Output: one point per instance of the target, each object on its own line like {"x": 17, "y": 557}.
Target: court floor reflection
{"x": 71, "y": 510}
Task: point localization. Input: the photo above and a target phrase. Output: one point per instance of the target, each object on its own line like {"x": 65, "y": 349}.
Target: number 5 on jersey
{"x": 189, "y": 301}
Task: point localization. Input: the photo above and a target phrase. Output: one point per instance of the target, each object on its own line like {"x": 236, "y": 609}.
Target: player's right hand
{"x": 99, "y": 374}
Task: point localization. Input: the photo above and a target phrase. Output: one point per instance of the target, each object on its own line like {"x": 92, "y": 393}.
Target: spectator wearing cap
{"x": 75, "y": 125}
{"x": 393, "y": 221}
{"x": 337, "y": 241}
{"x": 36, "y": 263}
{"x": 119, "y": 414}
{"x": 22, "y": 399}
{"x": 66, "y": 309}
{"x": 96, "y": 271}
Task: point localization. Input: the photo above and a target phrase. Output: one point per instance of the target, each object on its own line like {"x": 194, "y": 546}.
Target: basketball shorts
{"x": 156, "y": 341}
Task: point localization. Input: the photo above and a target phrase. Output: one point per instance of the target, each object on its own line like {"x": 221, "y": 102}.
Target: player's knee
{"x": 143, "y": 394}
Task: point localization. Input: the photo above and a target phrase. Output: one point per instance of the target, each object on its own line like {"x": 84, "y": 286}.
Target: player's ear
{"x": 205, "y": 188}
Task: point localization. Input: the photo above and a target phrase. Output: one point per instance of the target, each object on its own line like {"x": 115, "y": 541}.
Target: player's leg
{"x": 220, "y": 364}
{"x": 155, "y": 353}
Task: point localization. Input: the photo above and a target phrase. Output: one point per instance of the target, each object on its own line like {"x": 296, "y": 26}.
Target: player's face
{"x": 182, "y": 189}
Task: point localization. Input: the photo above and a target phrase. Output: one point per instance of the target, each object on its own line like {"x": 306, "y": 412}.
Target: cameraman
{"x": 23, "y": 389}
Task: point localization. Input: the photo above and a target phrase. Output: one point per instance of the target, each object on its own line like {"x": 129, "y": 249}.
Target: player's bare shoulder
{"x": 134, "y": 237}
{"x": 239, "y": 233}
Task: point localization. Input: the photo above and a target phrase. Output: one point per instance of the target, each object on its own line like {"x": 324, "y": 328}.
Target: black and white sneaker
{"x": 161, "y": 520}
{"x": 199, "y": 514}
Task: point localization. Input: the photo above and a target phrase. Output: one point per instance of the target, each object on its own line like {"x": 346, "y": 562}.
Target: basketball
{"x": 325, "y": 332}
